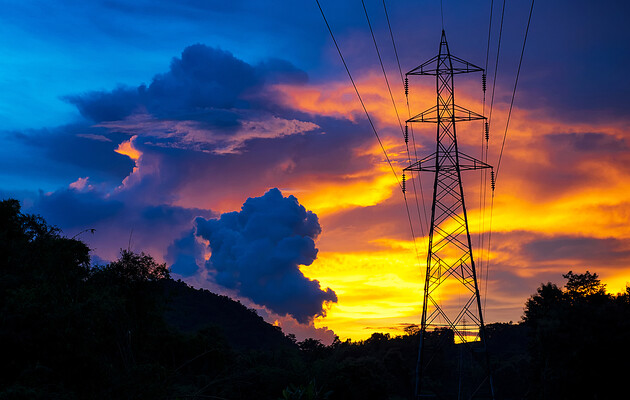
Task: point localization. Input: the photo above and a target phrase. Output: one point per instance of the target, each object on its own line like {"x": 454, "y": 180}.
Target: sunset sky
{"x": 182, "y": 128}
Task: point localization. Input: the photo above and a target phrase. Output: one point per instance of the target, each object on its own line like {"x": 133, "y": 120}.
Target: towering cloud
{"x": 204, "y": 79}
{"x": 258, "y": 250}
{"x": 207, "y": 101}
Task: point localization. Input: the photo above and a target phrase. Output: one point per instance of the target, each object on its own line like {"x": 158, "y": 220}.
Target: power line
{"x": 496, "y": 65}
{"x": 485, "y": 290}
{"x": 413, "y": 137}
{"x": 484, "y": 176}
{"x": 366, "y": 112}
{"x": 529, "y": 19}
{"x": 494, "y": 84}
{"x": 413, "y": 236}
{"x": 358, "y": 94}
{"x": 380, "y": 60}
{"x": 489, "y": 32}
{"x": 391, "y": 96}
{"x": 518, "y": 72}
{"x": 391, "y": 34}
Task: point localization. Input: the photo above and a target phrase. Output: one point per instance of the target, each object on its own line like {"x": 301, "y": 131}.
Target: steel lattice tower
{"x": 450, "y": 258}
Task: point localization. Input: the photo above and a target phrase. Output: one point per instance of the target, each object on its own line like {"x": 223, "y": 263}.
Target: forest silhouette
{"x": 127, "y": 330}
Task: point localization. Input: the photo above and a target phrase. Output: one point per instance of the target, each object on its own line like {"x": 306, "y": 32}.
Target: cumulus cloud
{"x": 208, "y": 101}
{"x": 150, "y": 159}
{"x": 204, "y": 77}
{"x": 258, "y": 250}
{"x": 185, "y": 254}
{"x": 161, "y": 145}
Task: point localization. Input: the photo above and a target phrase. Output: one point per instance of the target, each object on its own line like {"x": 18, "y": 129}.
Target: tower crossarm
{"x": 431, "y": 67}
{"x": 466, "y": 163}
{"x": 460, "y": 114}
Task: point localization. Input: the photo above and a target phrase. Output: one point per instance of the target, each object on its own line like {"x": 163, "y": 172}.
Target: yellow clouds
{"x": 557, "y": 185}
{"x": 560, "y": 182}
{"x": 367, "y": 188}
{"x": 338, "y": 99}
{"x": 126, "y": 148}
{"x": 376, "y": 291}
{"x": 617, "y": 282}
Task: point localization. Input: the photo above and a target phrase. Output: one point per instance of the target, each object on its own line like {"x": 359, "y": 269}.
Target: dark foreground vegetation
{"x": 126, "y": 330}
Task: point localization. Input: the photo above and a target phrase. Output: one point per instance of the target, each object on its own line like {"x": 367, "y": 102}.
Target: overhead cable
{"x": 358, "y": 94}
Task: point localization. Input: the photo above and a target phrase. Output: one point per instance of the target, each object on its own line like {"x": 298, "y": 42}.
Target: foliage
{"x": 71, "y": 331}
{"x": 126, "y": 330}
{"x": 577, "y": 335}
{"x": 541, "y": 305}
{"x": 583, "y": 285}
{"x": 132, "y": 268}
{"x": 308, "y": 392}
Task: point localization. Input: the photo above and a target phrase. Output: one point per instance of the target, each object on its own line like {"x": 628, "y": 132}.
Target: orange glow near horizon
{"x": 366, "y": 254}
{"x": 377, "y": 291}
{"x": 377, "y": 276}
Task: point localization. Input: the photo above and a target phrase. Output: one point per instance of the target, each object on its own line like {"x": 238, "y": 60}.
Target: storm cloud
{"x": 205, "y": 83}
{"x": 203, "y": 77}
{"x": 207, "y": 101}
{"x": 209, "y": 111}
{"x": 185, "y": 254}
{"x": 258, "y": 250}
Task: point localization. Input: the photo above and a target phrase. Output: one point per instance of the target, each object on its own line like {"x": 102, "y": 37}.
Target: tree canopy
{"x": 127, "y": 330}
{"x": 578, "y": 334}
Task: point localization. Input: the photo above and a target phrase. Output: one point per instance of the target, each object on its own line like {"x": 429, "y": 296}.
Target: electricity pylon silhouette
{"x": 450, "y": 259}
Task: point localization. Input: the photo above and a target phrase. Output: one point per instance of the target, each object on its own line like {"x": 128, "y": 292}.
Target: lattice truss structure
{"x": 450, "y": 258}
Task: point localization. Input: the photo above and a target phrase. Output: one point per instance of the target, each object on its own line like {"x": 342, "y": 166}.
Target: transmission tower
{"x": 458, "y": 332}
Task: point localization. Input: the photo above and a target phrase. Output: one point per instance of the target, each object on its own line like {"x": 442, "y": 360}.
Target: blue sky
{"x": 53, "y": 49}
{"x": 137, "y": 117}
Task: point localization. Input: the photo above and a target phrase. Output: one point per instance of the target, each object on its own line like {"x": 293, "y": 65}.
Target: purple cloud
{"x": 258, "y": 250}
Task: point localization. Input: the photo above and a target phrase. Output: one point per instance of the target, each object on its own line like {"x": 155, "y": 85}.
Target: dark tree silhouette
{"x": 583, "y": 285}
{"x": 577, "y": 339}
{"x": 69, "y": 331}
{"x": 126, "y": 330}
